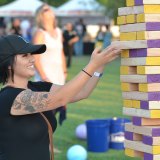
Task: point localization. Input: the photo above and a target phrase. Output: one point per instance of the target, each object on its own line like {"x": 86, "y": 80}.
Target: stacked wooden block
{"x": 140, "y": 76}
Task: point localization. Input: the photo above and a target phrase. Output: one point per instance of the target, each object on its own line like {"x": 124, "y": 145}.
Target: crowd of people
{"x": 73, "y": 35}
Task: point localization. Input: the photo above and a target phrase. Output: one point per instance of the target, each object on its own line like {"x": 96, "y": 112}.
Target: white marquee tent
{"x": 80, "y": 7}
{"x": 20, "y": 8}
{"x": 90, "y": 11}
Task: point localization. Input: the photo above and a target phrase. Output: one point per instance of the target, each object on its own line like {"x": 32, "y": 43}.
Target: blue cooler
{"x": 117, "y": 132}
{"x": 98, "y": 135}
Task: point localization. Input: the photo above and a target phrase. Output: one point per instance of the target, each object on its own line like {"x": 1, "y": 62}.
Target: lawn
{"x": 105, "y": 102}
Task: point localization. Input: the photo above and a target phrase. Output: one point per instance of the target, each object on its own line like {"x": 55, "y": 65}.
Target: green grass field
{"x": 105, "y": 102}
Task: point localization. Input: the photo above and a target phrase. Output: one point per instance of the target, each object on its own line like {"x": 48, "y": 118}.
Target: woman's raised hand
{"x": 101, "y": 58}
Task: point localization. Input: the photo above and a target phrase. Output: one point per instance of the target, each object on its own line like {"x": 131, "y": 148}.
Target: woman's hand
{"x": 101, "y": 58}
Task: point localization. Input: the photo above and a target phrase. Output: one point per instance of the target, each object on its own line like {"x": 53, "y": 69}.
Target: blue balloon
{"x": 77, "y": 152}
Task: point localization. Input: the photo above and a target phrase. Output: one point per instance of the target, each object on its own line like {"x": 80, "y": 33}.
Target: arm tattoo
{"x": 30, "y": 102}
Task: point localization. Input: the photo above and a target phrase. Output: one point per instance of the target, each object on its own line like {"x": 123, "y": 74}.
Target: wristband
{"x": 86, "y": 73}
{"x": 97, "y": 74}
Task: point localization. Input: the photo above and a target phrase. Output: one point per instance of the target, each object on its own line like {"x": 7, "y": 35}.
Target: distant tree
{"x": 51, "y": 2}
{"x": 3, "y": 2}
{"x": 112, "y": 7}
{"x": 55, "y": 3}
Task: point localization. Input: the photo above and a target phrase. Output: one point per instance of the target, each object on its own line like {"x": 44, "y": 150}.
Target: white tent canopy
{"x": 80, "y": 7}
{"x": 20, "y": 8}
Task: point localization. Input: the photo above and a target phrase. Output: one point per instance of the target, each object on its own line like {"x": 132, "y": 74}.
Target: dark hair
{"x": 5, "y": 71}
{"x": 107, "y": 26}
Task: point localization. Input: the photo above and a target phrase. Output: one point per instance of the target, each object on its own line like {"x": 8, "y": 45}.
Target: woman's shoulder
{"x": 39, "y": 32}
{"x": 38, "y": 35}
{"x": 8, "y": 94}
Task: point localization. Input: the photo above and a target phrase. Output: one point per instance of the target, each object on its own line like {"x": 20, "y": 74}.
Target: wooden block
{"x": 152, "y": 9}
{"x": 121, "y": 20}
{"x": 141, "y": 112}
{"x": 150, "y": 78}
{"x": 143, "y": 9}
{"x": 141, "y": 2}
{"x": 148, "y": 69}
{"x": 131, "y": 18}
{"x": 148, "y": 35}
{"x": 153, "y": 131}
{"x": 123, "y": 11}
{"x": 152, "y": 141}
{"x": 139, "y": 146}
{"x": 148, "y": 26}
{"x": 128, "y": 135}
{"x": 141, "y": 18}
{"x": 130, "y": 44}
{"x": 140, "y": 61}
{"x": 133, "y": 136}
{"x": 136, "y": 104}
{"x": 143, "y": 96}
{"x": 130, "y": 36}
{"x": 125, "y": 53}
{"x": 129, "y": 2}
{"x": 137, "y": 44}
{"x": 148, "y": 156}
{"x": 143, "y": 130}
{"x": 146, "y": 87}
{"x": 129, "y": 86}
{"x": 140, "y": 121}
{"x": 127, "y": 103}
{"x": 150, "y": 104}
{"x": 128, "y": 70}
{"x": 133, "y": 153}
{"x": 131, "y": 103}
{"x": 147, "y": 52}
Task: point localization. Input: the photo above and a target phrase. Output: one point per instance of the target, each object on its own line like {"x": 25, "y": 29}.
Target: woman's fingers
{"x": 97, "y": 50}
{"x": 110, "y": 49}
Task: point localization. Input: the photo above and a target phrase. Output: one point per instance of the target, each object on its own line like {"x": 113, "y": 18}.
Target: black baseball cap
{"x": 14, "y": 44}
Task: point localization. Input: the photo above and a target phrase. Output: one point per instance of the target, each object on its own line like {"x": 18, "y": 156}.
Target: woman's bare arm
{"x": 43, "y": 101}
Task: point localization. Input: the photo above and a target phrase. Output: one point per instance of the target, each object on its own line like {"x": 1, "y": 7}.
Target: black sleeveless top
{"x": 24, "y": 137}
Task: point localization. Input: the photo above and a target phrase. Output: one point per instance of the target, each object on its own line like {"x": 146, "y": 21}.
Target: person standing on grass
{"x": 25, "y": 124}
{"x": 107, "y": 37}
{"x": 51, "y": 66}
{"x": 70, "y": 37}
{"x": 80, "y": 28}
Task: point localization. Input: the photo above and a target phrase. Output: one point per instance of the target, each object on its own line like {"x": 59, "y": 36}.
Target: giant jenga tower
{"x": 140, "y": 76}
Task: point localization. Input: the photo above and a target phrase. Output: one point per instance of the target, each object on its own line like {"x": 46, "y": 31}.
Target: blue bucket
{"x": 117, "y": 132}
{"x": 98, "y": 135}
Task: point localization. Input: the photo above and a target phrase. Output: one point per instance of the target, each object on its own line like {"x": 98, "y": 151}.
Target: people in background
{"x": 26, "y": 29}
{"x": 107, "y": 37}
{"x": 50, "y": 66}
{"x": 2, "y": 26}
{"x": 15, "y": 27}
{"x": 70, "y": 37}
{"x": 80, "y": 28}
{"x": 100, "y": 36}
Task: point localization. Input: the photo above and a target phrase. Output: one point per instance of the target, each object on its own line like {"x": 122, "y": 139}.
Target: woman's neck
{"x": 17, "y": 84}
{"x": 50, "y": 29}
